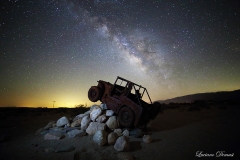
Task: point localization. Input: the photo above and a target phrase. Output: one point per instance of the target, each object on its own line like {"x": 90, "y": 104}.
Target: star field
{"x": 56, "y": 50}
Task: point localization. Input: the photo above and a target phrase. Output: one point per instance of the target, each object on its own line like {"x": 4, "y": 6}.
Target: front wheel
{"x": 126, "y": 116}
{"x": 94, "y": 94}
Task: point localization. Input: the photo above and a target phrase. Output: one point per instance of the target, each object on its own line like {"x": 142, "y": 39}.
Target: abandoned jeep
{"x": 125, "y": 99}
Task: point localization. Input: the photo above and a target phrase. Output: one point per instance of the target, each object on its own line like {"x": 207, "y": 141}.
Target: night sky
{"x": 55, "y": 50}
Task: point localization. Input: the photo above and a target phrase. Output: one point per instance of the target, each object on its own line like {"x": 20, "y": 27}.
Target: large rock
{"x": 94, "y": 126}
{"x": 109, "y": 113}
{"x": 95, "y": 113}
{"x": 58, "y": 130}
{"x": 67, "y": 125}
{"x": 87, "y": 113}
{"x": 62, "y": 121}
{"x": 112, "y": 137}
{"x": 74, "y": 133}
{"x": 112, "y": 122}
{"x": 100, "y": 137}
{"x": 103, "y": 106}
{"x": 147, "y": 139}
{"x": 122, "y": 144}
{"x": 76, "y": 123}
{"x": 137, "y": 133}
{"x": 118, "y": 131}
{"x": 101, "y": 118}
{"x": 93, "y": 107}
{"x": 85, "y": 122}
{"x": 80, "y": 116}
{"x": 53, "y": 136}
{"x": 125, "y": 133}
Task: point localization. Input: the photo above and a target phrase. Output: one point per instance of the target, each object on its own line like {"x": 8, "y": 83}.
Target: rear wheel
{"x": 126, "y": 116}
{"x": 94, "y": 94}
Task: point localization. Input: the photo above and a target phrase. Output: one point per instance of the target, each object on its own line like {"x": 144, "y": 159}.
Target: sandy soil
{"x": 176, "y": 133}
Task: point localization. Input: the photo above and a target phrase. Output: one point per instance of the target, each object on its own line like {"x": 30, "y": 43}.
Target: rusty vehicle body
{"x": 125, "y": 99}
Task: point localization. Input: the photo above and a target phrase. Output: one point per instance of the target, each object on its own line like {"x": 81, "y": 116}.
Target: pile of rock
{"x": 100, "y": 122}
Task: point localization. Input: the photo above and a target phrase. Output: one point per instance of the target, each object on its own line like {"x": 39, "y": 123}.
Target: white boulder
{"x": 53, "y": 136}
{"x": 109, "y": 113}
{"x": 85, "y": 122}
{"x": 97, "y": 111}
{"x": 94, "y": 126}
{"x": 125, "y": 133}
{"x": 118, "y": 131}
{"x": 80, "y": 116}
{"x": 74, "y": 133}
{"x": 112, "y": 137}
{"x": 76, "y": 123}
{"x": 93, "y": 106}
{"x": 62, "y": 121}
{"x": 103, "y": 106}
{"x": 122, "y": 144}
{"x": 100, "y": 137}
{"x": 101, "y": 118}
{"x": 87, "y": 113}
{"x": 112, "y": 122}
{"x": 147, "y": 139}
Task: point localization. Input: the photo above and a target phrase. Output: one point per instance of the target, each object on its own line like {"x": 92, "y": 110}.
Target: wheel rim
{"x": 93, "y": 93}
{"x": 125, "y": 116}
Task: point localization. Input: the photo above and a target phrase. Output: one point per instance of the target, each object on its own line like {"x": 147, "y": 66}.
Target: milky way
{"x": 135, "y": 45}
{"x": 55, "y": 50}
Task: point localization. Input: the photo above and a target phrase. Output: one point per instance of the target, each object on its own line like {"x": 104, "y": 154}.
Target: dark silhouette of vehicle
{"x": 125, "y": 99}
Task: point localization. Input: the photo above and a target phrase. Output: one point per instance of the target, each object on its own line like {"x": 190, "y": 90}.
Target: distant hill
{"x": 215, "y": 96}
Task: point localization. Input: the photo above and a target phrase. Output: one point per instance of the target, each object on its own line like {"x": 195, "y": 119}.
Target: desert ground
{"x": 177, "y": 133}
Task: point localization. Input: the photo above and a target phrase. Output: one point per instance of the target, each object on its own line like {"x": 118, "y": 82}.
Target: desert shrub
{"x": 81, "y": 105}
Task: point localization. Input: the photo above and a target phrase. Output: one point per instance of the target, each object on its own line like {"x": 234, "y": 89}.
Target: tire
{"x": 126, "y": 116}
{"x": 94, "y": 94}
{"x": 102, "y": 89}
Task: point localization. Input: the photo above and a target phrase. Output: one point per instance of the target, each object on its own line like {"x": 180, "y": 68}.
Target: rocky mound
{"x": 100, "y": 122}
